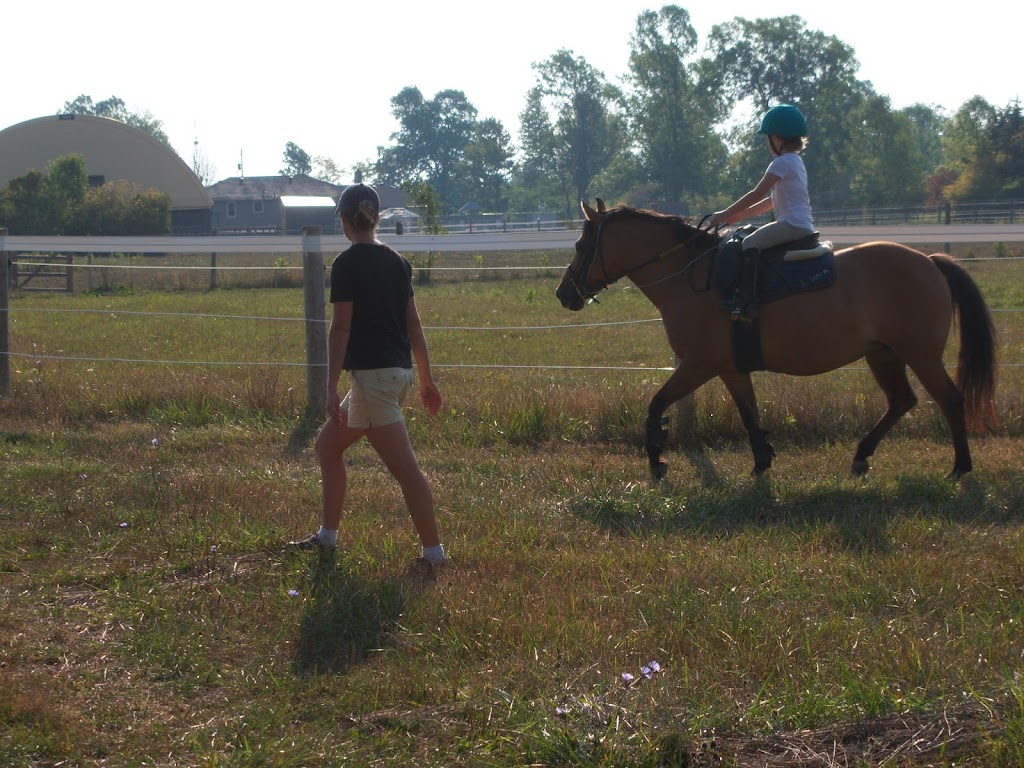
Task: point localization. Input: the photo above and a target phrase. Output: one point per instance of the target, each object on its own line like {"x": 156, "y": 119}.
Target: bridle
{"x": 579, "y": 283}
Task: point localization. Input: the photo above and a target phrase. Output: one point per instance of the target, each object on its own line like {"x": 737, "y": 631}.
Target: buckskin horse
{"x": 890, "y": 304}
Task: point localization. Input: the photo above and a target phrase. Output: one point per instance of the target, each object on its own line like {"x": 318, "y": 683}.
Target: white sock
{"x": 433, "y": 554}
{"x": 327, "y": 537}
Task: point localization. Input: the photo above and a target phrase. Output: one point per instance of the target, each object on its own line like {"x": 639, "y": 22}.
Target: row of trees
{"x": 681, "y": 129}
{"x": 61, "y": 202}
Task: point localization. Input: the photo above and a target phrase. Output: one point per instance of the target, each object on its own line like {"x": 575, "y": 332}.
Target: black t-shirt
{"x": 378, "y": 282}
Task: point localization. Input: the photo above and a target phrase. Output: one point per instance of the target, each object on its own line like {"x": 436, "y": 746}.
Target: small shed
{"x": 308, "y": 211}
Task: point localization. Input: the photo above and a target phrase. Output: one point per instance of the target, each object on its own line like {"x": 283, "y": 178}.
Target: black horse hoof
{"x": 859, "y": 468}
{"x": 658, "y": 470}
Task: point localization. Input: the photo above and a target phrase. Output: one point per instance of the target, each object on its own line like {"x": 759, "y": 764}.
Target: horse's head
{"x": 642, "y": 244}
{"x": 579, "y": 285}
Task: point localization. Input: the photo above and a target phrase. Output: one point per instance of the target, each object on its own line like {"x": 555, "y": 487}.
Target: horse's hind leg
{"x": 950, "y": 400}
{"x": 742, "y": 390}
{"x": 891, "y": 374}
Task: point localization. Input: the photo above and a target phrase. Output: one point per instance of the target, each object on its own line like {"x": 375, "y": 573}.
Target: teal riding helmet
{"x": 784, "y": 120}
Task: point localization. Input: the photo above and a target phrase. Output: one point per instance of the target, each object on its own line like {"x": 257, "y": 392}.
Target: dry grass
{"x": 148, "y": 616}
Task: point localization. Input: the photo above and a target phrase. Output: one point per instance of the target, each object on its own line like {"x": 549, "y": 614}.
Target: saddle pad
{"x": 782, "y": 278}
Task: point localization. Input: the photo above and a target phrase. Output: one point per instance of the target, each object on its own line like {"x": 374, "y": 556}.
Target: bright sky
{"x": 246, "y": 78}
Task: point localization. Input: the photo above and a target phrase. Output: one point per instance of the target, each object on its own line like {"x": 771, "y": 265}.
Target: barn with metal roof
{"x": 113, "y": 151}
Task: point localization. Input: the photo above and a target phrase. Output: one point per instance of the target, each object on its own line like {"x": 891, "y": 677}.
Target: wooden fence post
{"x": 213, "y": 271}
{"x": 316, "y": 322}
{"x": 5, "y": 339}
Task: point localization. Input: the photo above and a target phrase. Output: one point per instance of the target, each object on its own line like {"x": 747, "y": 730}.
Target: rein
{"x": 588, "y": 265}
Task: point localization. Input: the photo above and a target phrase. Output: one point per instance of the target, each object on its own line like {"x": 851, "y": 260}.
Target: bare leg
{"x": 334, "y": 439}
{"x": 392, "y": 444}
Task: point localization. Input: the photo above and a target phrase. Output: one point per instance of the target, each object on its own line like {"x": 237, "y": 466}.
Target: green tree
{"x": 757, "y": 64}
{"x": 539, "y": 182}
{"x": 671, "y": 120}
{"x": 47, "y": 203}
{"x": 430, "y": 144}
{"x": 149, "y": 213}
{"x": 296, "y": 161}
{"x": 26, "y": 206}
{"x": 984, "y": 149}
{"x": 887, "y": 167}
{"x": 325, "y": 169}
{"x": 588, "y": 132}
{"x": 124, "y": 208}
{"x": 487, "y": 165}
{"x": 427, "y": 202}
{"x": 67, "y": 181}
{"x": 1007, "y": 134}
{"x": 61, "y": 201}
{"x": 115, "y": 109}
{"x": 928, "y": 123}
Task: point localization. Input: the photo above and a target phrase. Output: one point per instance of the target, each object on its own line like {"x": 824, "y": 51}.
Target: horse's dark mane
{"x": 685, "y": 227}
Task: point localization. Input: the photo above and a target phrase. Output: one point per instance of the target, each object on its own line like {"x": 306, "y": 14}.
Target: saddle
{"x": 794, "y": 267}
{"x": 801, "y": 265}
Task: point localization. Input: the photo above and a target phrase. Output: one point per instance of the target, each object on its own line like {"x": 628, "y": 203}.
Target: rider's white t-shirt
{"x": 790, "y": 199}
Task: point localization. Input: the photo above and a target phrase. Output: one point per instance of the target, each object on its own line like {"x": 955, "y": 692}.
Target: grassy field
{"x": 149, "y": 617}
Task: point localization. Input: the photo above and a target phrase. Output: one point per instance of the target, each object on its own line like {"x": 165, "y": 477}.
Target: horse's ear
{"x": 601, "y": 206}
{"x": 588, "y": 213}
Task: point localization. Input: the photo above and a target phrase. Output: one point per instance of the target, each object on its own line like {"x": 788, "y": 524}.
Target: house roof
{"x": 112, "y": 149}
{"x": 269, "y": 187}
{"x": 262, "y": 187}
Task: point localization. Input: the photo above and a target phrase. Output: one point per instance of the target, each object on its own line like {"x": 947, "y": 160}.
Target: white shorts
{"x": 376, "y": 396}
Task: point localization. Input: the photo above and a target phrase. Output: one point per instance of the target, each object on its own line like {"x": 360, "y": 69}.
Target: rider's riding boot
{"x": 741, "y": 306}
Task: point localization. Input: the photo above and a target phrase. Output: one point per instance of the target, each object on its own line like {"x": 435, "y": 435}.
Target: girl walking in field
{"x": 375, "y": 334}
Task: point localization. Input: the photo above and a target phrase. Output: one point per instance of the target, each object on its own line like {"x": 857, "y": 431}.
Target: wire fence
{"x": 473, "y": 271}
{"x": 114, "y": 272}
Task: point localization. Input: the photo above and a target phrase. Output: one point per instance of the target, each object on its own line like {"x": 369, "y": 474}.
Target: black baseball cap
{"x": 353, "y": 197}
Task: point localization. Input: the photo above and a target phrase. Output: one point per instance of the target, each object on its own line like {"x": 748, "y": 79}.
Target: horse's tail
{"x": 976, "y": 367}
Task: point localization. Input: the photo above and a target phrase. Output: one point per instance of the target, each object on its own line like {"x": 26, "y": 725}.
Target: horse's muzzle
{"x": 569, "y": 296}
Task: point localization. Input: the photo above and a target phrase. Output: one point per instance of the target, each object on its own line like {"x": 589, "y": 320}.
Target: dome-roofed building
{"x": 113, "y": 151}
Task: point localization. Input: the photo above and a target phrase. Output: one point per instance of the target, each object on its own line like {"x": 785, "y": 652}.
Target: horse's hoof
{"x": 760, "y": 469}
{"x": 859, "y": 468}
{"x": 958, "y": 474}
{"x": 659, "y": 470}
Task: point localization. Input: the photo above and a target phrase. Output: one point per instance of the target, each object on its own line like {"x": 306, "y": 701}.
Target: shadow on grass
{"x": 346, "y": 619}
{"x": 707, "y": 473}
{"x": 303, "y": 433}
{"x": 858, "y": 514}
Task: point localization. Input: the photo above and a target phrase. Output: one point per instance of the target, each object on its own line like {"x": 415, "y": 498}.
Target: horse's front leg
{"x": 681, "y": 383}
{"x": 742, "y": 390}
